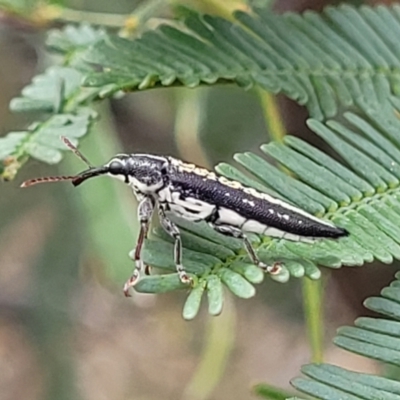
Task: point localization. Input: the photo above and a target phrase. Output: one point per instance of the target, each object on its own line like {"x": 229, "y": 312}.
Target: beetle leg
{"x": 145, "y": 212}
{"x": 173, "y": 231}
{"x": 237, "y": 233}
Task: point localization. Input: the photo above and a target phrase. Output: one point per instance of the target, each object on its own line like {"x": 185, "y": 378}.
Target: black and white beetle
{"x": 171, "y": 186}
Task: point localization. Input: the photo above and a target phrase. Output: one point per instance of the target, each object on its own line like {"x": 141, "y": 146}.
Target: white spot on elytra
{"x": 286, "y": 217}
{"x": 249, "y": 202}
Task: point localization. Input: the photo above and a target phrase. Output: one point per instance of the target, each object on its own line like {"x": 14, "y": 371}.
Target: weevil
{"x": 169, "y": 186}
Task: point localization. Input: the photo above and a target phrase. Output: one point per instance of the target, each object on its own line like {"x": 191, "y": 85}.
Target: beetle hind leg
{"x": 271, "y": 269}
{"x": 227, "y": 230}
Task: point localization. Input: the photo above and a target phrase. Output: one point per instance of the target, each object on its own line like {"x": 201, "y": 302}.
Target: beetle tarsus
{"x": 273, "y": 269}
{"x": 131, "y": 282}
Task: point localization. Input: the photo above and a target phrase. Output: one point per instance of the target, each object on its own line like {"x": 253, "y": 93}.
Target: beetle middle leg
{"x": 173, "y": 231}
{"x": 237, "y": 233}
{"x": 145, "y": 212}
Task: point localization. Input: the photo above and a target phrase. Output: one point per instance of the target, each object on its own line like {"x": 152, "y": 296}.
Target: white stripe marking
{"x": 183, "y": 207}
{"x": 253, "y": 226}
{"x": 230, "y": 217}
{"x": 273, "y": 232}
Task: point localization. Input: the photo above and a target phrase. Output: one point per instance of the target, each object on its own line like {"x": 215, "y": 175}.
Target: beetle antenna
{"x": 76, "y": 151}
{"x": 48, "y": 179}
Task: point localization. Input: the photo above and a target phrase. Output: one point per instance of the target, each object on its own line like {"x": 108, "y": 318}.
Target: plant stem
{"x": 271, "y": 392}
{"x": 219, "y": 341}
{"x": 313, "y": 311}
{"x": 223, "y": 8}
{"x": 107, "y": 207}
{"x": 95, "y": 18}
{"x": 276, "y": 128}
{"x": 188, "y": 117}
{"x": 43, "y": 15}
{"x": 312, "y": 290}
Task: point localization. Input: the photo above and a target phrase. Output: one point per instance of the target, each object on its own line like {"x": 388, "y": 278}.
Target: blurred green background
{"x": 67, "y": 331}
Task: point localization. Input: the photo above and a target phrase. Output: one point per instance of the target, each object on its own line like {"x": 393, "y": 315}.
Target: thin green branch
{"x": 189, "y": 113}
{"x": 106, "y": 195}
{"x": 312, "y": 290}
{"x": 273, "y": 119}
{"x": 219, "y": 341}
{"x": 313, "y": 311}
{"x": 110, "y": 20}
{"x": 270, "y": 392}
{"x": 43, "y": 15}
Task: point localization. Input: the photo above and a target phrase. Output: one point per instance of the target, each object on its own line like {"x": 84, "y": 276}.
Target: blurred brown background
{"x": 66, "y": 331}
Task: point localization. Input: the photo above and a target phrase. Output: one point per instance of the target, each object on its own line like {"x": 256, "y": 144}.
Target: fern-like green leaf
{"x": 52, "y": 92}
{"x": 376, "y": 338}
{"x": 341, "y": 57}
{"x": 320, "y": 60}
{"x": 58, "y": 94}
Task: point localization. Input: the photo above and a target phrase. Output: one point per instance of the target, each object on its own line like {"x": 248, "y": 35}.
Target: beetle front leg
{"x": 274, "y": 269}
{"x": 145, "y": 212}
{"x": 173, "y": 231}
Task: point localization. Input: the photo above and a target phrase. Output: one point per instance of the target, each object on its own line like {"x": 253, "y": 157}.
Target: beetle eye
{"x": 116, "y": 168}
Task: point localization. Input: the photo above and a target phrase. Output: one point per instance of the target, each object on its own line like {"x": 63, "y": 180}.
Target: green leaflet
{"x": 320, "y": 60}
{"x": 376, "y": 338}
{"x": 333, "y": 382}
{"x": 73, "y": 38}
{"x": 159, "y": 284}
{"x": 215, "y": 295}
{"x": 313, "y": 174}
{"x": 58, "y": 94}
{"x": 251, "y": 272}
{"x": 288, "y": 187}
{"x": 270, "y": 392}
{"x": 194, "y": 242}
{"x": 159, "y": 254}
{"x": 329, "y": 163}
{"x": 48, "y": 92}
{"x": 193, "y": 301}
{"x": 237, "y": 284}
{"x": 42, "y": 141}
